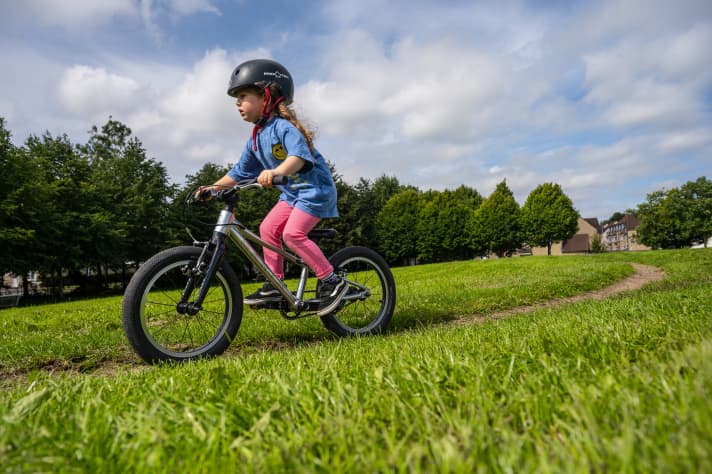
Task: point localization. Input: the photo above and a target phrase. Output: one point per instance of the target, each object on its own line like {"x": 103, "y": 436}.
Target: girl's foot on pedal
{"x": 264, "y": 295}
{"x": 332, "y": 290}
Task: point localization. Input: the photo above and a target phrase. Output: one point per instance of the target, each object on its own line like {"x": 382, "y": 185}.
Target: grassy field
{"x": 619, "y": 385}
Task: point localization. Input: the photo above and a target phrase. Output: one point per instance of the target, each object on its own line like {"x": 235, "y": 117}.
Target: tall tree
{"x": 495, "y": 226}
{"x": 548, "y": 216}
{"x": 616, "y": 216}
{"x": 664, "y": 220}
{"x": 132, "y": 190}
{"x": 698, "y": 195}
{"x": 17, "y": 232}
{"x": 431, "y": 233}
{"x": 358, "y": 207}
{"x": 442, "y": 223}
{"x": 349, "y": 229}
{"x": 371, "y": 197}
{"x": 396, "y": 226}
{"x": 468, "y": 196}
{"x": 64, "y": 215}
{"x": 652, "y": 230}
{"x": 146, "y": 192}
{"x": 677, "y": 218}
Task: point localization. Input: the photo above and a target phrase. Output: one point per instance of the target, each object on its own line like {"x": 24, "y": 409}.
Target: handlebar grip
{"x": 279, "y": 180}
{"x": 204, "y": 194}
{"x": 225, "y": 193}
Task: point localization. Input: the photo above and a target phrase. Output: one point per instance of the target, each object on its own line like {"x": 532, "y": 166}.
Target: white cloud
{"x": 210, "y": 152}
{"x": 639, "y": 81}
{"x": 421, "y": 90}
{"x": 80, "y": 15}
{"x": 96, "y": 92}
{"x": 685, "y": 55}
{"x": 74, "y": 13}
{"x": 652, "y": 103}
{"x": 7, "y": 110}
{"x": 183, "y": 114}
{"x": 189, "y": 7}
{"x": 686, "y": 140}
{"x": 199, "y": 101}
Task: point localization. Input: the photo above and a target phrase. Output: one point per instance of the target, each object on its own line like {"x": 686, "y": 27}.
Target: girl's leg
{"x": 295, "y": 236}
{"x": 271, "y": 231}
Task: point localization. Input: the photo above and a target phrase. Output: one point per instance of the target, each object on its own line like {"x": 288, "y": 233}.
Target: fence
{"x": 8, "y": 300}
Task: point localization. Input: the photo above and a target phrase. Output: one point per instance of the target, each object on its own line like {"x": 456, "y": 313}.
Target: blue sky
{"x": 610, "y": 99}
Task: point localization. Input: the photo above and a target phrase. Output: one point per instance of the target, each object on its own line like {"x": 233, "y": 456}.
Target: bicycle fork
{"x": 217, "y": 246}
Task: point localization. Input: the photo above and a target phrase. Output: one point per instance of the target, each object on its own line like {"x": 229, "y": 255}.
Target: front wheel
{"x": 156, "y": 325}
{"x": 369, "y": 303}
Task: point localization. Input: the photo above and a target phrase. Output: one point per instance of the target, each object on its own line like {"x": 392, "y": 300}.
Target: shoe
{"x": 331, "y": 294}
{"x": 265, "y": 294}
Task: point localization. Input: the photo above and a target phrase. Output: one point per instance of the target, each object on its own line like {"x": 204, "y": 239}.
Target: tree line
{"x": 677, "y": 217}
{"x": 90, "y": 213}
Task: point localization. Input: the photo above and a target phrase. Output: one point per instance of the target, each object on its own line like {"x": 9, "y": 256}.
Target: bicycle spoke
{"x": 173, "y": 305}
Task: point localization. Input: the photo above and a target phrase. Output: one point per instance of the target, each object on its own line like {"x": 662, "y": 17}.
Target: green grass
{"x": 83, "y": 334}
{"x": 618, "y": 385}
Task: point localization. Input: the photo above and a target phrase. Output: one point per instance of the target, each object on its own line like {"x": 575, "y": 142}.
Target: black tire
{"x": 153, "y": 326}
{"x": 370, "y": 313}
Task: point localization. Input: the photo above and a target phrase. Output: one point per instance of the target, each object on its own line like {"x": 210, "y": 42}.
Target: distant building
{"x": 621, "y": 235}
{"x": 581, "y": 242}
{"x": 616, "y": 236}
{"x": 702, "y": 244}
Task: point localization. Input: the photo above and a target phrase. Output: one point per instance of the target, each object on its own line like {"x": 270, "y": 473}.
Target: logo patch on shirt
{"x": 278, "y": 151}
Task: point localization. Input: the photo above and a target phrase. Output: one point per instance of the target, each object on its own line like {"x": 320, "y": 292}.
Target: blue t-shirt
{"x": 311, "y": 189}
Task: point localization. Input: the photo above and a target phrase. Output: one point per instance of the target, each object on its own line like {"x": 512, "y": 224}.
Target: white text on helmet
{"x": 277, "y": 75}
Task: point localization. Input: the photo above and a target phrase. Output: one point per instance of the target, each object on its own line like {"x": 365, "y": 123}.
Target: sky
{"x": 610, "y": 99}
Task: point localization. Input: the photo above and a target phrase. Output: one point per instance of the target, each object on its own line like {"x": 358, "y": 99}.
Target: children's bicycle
{"x": 186, "y": 302}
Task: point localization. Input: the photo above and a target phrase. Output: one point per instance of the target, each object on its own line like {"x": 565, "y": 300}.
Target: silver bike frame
{"x": 240, "y": 236}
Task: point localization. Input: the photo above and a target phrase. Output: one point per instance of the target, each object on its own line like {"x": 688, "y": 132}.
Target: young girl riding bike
{"x": 281, "y": 145}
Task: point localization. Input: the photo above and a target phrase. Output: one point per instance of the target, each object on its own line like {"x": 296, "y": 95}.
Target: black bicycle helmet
{"x": 262, "y": 73}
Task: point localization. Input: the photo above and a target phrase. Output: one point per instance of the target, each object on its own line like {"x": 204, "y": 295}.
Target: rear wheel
{"x": 369, "y": 303}
{"x": 156, "y": 326}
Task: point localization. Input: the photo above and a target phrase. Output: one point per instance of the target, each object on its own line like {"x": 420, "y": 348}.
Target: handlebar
{"x": 279, "y": 180}
{"x": 223, "y": 194}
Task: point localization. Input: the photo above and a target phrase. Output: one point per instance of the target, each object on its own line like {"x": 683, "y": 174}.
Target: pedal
{"x": 276, "y": 304}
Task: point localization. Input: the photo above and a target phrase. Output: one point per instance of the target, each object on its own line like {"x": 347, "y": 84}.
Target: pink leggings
{"x": 292, "y": 225}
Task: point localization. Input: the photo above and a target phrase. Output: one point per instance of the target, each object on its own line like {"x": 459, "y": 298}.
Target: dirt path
{"x": 643, "y": 275}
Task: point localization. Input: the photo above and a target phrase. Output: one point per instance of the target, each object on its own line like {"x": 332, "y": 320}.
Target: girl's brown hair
{"x": 288, "y": 113}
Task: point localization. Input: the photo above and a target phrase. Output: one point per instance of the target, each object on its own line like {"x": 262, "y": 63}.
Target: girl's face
{"x": 250, "y": 104}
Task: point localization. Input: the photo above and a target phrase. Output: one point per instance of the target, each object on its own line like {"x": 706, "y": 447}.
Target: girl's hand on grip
{"x": 204, "y": 193}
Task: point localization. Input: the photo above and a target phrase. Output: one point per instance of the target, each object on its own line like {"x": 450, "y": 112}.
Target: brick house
{"x": 588, "y": 229}
{"x": 621, "y": 235}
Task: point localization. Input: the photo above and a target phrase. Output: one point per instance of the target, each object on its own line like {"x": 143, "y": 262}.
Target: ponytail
{"x": 287, "y": 113}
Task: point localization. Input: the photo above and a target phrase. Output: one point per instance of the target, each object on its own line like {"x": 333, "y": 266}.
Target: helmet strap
{"x": 266, "y": 113}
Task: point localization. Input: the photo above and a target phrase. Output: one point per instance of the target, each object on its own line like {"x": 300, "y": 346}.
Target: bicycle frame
{"x": 229, "y": 227}
{"x": 241, "y": 235}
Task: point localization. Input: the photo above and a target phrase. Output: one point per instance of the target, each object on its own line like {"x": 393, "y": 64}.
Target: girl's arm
{"x": 288, "y": 167}
{"x": 223, "y": 183}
